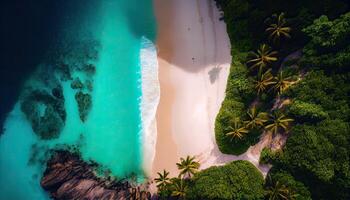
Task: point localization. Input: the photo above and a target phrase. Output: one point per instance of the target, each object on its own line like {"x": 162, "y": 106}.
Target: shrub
{"x": 267, "y": 156}
{"x": 240, "y": 89}
{"x": 319, "y": 156}
{"x": 236, "y": 180}
{"x": 307, "y": 112}
{"x": 301, "y": 191}
{"x": 327, "y": 35}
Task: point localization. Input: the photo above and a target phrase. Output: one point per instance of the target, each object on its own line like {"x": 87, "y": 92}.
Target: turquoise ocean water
{"x": 111, "y": 134}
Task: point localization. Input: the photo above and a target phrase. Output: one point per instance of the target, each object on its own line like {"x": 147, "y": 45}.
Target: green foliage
{"x": 318, "y": 89}
{"x": 329, "y": 46}
{"x": 245, "y": 18}
{"x": 286, "y": 179}
{"x": 230, "y": 110}
{"x": 267, "y": 156}
{"x": 319, "y": 155}
{"x": 309, "y": 150}
{"x": 237, "y": 130}
{"x": 264, "y": 81}
{"x": 162, "y": 181}
{"x": 316, "y": 154}
{"x": 328, "y": 61}
{"x": 239, "y": 86}
{"x": 187, "y": 166}
{"x": 327, "y": 35}
{"x": 240, "y": 89}
{"x": 178, "y": 188}
{"x": 263, "y": 57}
{"x": 277, "y": 122}
{"x": 307, "y": 112}
{"x": 236, "y": 180}
{"x": 255, "y": 118}
{"x": 278, "y": 29}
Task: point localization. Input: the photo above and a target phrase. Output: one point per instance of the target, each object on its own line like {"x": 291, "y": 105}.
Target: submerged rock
{"x": 84, "y": 104}
{"x": 77, "y": 84}
{"x": 45, "y": 112}
{"x": 68, "y": 177}
{"x": 89, "y": 69}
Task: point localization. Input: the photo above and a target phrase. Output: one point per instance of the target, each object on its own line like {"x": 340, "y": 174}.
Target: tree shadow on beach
{"x": 191, "y": 36}
{"x": 214, "y": 74}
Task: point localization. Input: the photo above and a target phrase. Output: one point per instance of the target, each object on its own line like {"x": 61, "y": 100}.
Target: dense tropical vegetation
{"x": 176, "y": 187}
{"x": 235, "y": 180}
{"x": 303, "y": 59}
{"x": 290, "y": 78}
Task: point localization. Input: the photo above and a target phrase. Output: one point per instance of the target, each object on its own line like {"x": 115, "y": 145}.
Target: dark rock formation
{"x": 45, "y": 111}
{"x": 89, "y": 69}
{"x": 27, "y": 30}
{"x": 77, "y": 84}
{"x": 68, "y": 177}
{"x": 84, "y": 104}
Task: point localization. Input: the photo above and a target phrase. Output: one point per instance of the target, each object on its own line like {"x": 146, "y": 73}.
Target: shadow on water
{"x": 28, "y": 29}
{"x": 141, "y": 18}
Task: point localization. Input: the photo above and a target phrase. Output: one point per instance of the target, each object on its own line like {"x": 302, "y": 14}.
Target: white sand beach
{"x": 194, "y": 60}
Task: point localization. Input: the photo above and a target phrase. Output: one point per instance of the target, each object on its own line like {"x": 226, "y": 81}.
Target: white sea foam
{"x": 149, "y": 101}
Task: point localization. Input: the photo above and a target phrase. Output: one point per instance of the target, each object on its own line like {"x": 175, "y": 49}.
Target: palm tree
{"x": 281, "y": 83}
{"x": 256, "y": 119}
{"x": 178, "y": 188}
{"x": 279, "y": 191}
{"x": 262, "y": 57}
{"x": 277, "y": 121}
{"x": 263, "y": 81}
{"x": 238, "y": 130}
{"x": 163, "y": 180}
{"x": 278, "y": 29}
{"x": 188, "y": 166}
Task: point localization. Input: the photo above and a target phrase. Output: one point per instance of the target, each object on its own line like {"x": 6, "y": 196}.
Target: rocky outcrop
{"x": 76, "y": 84}
{"x": 84, "y": 104}
{"x": 68, "y": 177}
{"x": 45, "y": 111}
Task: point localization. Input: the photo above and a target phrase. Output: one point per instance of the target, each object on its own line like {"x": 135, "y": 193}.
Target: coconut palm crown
{"x": 256, "y": 118}
{"x": 188, "y": 166}
{"x": 178, "y": 188}
{"x": 278, "y": 29}
{"x": 278, "y": 191}
{"x": 237, "y": 130}
{"x": 281, "y": 83}
{"x": 278, "y": 121}
{"x": 262, "y": 57}
{"x": 264, "y": 80}
{"x": 163, "y": 180}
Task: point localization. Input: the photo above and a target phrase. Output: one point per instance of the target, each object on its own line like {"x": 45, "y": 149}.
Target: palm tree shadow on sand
{"x": 214, "y": 74}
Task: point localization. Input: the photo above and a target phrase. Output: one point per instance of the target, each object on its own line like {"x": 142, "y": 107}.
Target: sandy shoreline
{"x": 149, "y": 102}
{"x": 194, "y": 60}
